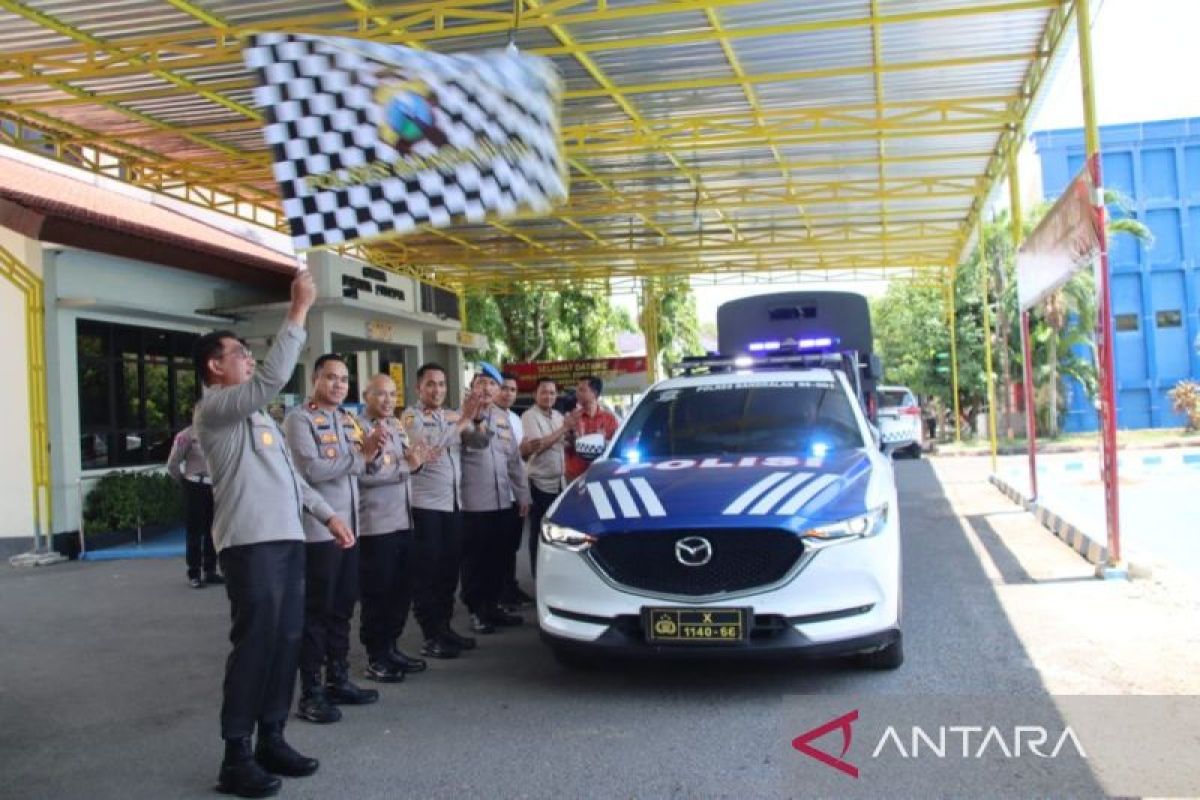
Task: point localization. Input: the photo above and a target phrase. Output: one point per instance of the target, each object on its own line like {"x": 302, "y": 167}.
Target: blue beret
{"x": 489, "y": 370}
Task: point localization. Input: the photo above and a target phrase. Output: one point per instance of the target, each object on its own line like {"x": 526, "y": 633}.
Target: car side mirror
{"x": 875, "y": 367}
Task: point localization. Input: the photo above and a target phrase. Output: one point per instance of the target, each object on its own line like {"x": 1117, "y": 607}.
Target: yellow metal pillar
{"x": 951, "y": 302}
{"x": 1017, "y": 221}
{"x": 984, "y": 279}
{"x": 649, "y": 321}
{"x": 462, "y": 308}
{"x": 30, "y": 285}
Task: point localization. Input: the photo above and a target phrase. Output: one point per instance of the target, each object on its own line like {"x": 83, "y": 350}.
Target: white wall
{"x": 16, "y": 469}
{"x": 122, "y": 291}
{"x": 16, "y": 478}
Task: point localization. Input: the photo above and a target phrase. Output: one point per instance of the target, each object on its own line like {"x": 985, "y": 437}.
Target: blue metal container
{"x": 1156, "y": 288}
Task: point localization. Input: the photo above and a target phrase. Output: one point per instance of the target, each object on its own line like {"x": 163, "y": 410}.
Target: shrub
{"x": 119, "y": 500}
{"x": 1185, "y": 398}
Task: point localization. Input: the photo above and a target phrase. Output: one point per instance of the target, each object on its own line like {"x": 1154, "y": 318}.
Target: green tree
{"x": 678, "y": 323}
{"x": 912, "y": 328}
{"x": 535, "y": 324}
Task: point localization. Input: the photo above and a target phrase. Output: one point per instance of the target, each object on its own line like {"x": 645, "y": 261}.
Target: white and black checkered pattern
{"x": 318, "y": 94}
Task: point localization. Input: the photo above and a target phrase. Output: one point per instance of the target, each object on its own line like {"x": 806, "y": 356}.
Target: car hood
{"x": 760, "y": 491}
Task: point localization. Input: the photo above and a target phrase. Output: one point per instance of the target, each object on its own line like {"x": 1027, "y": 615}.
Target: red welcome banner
{"x": 1066, "y": 241}
{"x": 624, "y": 375}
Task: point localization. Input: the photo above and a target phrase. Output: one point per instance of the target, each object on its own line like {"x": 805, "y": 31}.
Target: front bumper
{"x": 624, "y": 637}
{"x": 845, "y": 600}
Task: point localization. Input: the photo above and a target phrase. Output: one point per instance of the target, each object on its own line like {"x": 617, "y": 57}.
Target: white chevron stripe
{"x": 808, "y": 492}
{"x": 624, "y": 498}
{"x": 649, "y": 498}
{"x": 600, "y": 501}
{"x": 781, "y": 491}
{"x": 747, "y": 497}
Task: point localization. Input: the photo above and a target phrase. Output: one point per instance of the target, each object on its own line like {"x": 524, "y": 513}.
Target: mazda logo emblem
{"x": 694, "y": 551}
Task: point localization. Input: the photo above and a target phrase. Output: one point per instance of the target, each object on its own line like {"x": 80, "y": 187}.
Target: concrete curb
{"x": 1051, "y": 448}
{"x": 1076, "y": 539}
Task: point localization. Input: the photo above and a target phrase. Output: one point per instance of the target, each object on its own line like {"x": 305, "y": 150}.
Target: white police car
{"x": 734, "y": 513}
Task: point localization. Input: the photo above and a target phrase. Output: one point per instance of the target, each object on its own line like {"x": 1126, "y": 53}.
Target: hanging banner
{"x": 1066, "y": 241}
{"x": 622, "y": 375}
{"x": 372, "y": 140}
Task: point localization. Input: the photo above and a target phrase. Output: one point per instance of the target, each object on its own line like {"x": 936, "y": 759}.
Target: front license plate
{"x": 696, "y": 625}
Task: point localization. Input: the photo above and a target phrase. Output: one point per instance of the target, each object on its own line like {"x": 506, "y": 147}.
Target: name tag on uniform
{"x": 328, "y": 438}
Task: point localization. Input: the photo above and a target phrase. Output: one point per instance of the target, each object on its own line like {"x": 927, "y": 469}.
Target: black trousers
{"x": 331, "y": 590}
{"x": 437, "y": 556}
{"x": 537, "y": 512}
{"x": 486, "y": 549}
{"x": 265, "y": 585}
{"x": 386, "y": 568}
{"x": 514, "y": 527}
{"x": 198, "y": 502}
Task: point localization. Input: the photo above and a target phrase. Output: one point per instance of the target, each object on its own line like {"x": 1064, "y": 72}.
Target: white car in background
{"x": 899, "y": 419}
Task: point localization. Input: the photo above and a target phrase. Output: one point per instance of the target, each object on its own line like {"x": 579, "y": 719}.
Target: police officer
{"x": 386, "y": 537}
{"x": 437, "y": 529}
{"x": 186, "y": 465}
{"x": 493, "y": 475}
{"x": 259, "y": 537}
{"x": 330, "y": 451}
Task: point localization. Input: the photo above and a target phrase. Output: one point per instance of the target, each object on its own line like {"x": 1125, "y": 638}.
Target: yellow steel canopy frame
{"x": 727, "y": 140}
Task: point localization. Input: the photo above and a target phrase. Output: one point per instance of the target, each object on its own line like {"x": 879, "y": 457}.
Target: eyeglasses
{"x": 241, "y": 351}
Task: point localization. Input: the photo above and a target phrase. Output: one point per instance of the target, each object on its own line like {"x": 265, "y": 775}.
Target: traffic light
{"x": 941, "y": 363}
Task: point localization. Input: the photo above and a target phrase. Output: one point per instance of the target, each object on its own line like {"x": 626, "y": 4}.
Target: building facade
{"x": 127, "y": 286}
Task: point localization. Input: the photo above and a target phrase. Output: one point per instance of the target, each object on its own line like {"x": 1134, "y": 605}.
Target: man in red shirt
{"x": 588, "y": 417}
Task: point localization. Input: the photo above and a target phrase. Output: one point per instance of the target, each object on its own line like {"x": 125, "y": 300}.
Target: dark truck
{"x": 824, "y": 327}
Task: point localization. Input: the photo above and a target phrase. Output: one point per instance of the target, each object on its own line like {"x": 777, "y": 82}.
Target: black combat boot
{"x": 457, "y": 639}
{"x": 383, "y": 670}
{"x": 314, "y": 704}
{"x": 242, "y": 775}
{"x": 274, "y": 754}
{"x": 341, "y": 691}
{"x": 440, "y": 648}
{"x": 407, "y": 663}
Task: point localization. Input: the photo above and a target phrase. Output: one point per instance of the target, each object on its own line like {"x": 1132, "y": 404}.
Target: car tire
{"x": 890, "y": 657}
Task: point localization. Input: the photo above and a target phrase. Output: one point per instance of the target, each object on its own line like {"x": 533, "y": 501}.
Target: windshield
{"x": 895, "y": 397}
{"x": 806, "y": 417}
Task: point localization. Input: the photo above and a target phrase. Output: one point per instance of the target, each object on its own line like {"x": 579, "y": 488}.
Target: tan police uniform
{"x": 258, "y": 532}
{"x": 437, "y": 518}
{"x": 492, "y": 474}
{"x": 386, "y": 560}
{"x": 327, "y": 447}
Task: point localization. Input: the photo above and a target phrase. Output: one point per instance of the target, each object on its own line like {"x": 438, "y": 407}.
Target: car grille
{"x": 741, "y": 559}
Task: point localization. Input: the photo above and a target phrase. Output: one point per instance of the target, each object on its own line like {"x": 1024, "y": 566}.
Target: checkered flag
{"x": 372, "y": 140}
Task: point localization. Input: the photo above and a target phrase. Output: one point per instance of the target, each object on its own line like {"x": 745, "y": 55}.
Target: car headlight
{"x": 844, "y": 530}
{"x": 567, "y": 538}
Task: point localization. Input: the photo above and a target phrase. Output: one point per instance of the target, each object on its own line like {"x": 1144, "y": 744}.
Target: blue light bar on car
{"x": 794, "y": 345}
